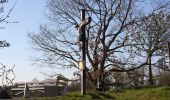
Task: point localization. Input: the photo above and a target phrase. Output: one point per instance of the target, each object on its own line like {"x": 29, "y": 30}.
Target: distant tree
{"x": 136, "y": 78}
{"x": 163, "y": 77}
{"x": 7, "y": 76}
{"x": 74, "y": 86}
{"x": 35, "y": 80}
{"x": 109, "y": 33}
{"x": 153, "y": 39}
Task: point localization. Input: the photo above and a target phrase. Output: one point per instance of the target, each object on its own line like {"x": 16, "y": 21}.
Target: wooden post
{"x": 27, "y": 93}
{"x": 83, "y": 76}
{"x": 169, "y": 52}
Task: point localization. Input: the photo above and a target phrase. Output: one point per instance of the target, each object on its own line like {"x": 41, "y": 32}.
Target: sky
{"x": 29, "y": 14}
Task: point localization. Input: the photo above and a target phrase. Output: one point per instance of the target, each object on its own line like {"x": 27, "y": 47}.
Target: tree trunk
{"x": 150, "y": 71}
{"x": 101, "y": 83}
{"x": 94, "y": 85}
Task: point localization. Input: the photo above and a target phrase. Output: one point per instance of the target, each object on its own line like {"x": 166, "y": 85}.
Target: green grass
{"x": 156, "y": 93}
{"x": 153, "y": 93}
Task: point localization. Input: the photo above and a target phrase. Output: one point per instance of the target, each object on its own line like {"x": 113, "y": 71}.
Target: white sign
{"x": 80, "y": 65}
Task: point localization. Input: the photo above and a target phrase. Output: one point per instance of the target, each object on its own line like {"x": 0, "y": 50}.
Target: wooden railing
{"x": 42, "y": 88}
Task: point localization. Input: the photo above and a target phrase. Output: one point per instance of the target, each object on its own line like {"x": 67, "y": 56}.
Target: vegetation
{"x": 149, "y": 93}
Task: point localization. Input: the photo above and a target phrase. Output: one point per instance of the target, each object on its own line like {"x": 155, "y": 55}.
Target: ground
{"x": 149, "y": 93}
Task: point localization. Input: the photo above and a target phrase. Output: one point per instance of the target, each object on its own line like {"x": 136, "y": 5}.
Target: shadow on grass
{"x": 74, "y": 96}
{"x": 106, "y": 96}
{"x": 95, "y": 96}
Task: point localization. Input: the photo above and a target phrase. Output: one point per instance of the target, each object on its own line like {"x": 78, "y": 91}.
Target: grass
{"x": 152, "y": 93}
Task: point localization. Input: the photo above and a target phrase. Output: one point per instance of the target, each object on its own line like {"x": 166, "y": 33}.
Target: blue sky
{"x": 29, "y": 14}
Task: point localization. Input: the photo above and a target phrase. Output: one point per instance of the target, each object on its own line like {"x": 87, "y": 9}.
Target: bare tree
{"x": 7, "y": 76}
{"x": 111, "y": 31}
{"x": 153, "y": 39}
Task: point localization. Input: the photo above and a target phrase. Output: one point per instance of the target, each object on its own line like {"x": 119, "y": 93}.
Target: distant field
{"x": 154, "y": 93}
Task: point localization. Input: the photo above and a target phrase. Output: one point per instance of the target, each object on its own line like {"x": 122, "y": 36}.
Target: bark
{"x": 150, "y": 71}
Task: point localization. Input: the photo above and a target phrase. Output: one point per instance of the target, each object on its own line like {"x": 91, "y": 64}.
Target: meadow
{"x": 145, "y": 93}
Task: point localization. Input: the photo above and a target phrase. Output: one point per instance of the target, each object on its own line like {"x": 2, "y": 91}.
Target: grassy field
{"x": 154, "y": 93}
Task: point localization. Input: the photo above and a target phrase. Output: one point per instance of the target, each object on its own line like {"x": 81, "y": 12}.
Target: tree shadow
{"x": 106, "y": 96}
{"x": 95, "y": 96}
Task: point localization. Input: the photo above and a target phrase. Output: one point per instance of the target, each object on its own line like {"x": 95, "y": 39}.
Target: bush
{"x": 5, "y": 95}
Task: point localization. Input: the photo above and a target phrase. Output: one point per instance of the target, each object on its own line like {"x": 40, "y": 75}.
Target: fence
{"x": 42, "y": 88}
